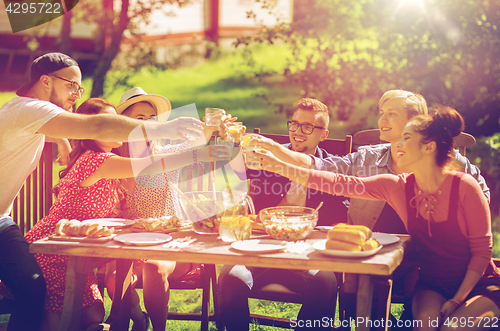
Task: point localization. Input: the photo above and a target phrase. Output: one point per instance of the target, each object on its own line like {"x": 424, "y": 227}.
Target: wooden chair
{"x": 372, "y": 137}
{"x": 35, "y": 197}
{"x": 32, "y": 204}
{"x": 191, "y": 177}
{"x": 278, "y": 292}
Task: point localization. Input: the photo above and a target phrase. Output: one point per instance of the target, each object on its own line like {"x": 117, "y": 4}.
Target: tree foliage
{"x": 115, "y": 20}
{"x": 345, "y": 52}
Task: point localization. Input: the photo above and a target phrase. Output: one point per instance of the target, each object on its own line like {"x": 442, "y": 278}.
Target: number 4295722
{"x": 33, "y": 8}
{"x": 471, "y": 321}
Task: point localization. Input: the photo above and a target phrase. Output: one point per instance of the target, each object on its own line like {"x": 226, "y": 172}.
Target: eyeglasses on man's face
{"x": 305, "y": 128}
{"x": 75, "y": 88}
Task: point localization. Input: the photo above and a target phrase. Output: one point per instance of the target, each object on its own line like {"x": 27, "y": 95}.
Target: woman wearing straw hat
{"x": 151, "y": 196}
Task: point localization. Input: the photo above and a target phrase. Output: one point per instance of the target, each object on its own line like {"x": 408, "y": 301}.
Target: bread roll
{"x": 86, "y": 228}
{"x": 72, "y": 228}
{"x": 348, "y": 235}
{"x": 59, "y": 226}
{"x": 342, "y": 246}
{"x": 108, "y": 231}
{"x": 96, "y": 232}
{"x": 370, "y": 244}
{"x": 366, "y": 230}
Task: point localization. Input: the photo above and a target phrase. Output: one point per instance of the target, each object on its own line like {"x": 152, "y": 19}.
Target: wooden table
{"x": 208, "y": 249}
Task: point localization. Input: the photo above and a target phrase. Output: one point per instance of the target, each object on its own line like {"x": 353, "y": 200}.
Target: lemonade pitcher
{"x": 235, "y": 223}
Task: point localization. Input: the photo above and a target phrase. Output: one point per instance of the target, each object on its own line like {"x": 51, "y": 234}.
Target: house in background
{"x": 170, "y": 29}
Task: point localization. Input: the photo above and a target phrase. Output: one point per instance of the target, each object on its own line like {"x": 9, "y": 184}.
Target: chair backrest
{"x": 372, "y": 137}
{"x": 339, "y": 147}
{"x": 35, "y": 197}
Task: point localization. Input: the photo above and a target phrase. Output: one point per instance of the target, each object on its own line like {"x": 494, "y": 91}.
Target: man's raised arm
{"x": 117, "y": 128}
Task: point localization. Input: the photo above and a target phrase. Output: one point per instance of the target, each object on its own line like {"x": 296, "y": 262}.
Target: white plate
{"x": 259, "y": 245}
{"x": 320, "y": 247}
{"x": 143, "y": 238}
{"x": 385, "y": 238}
{"x": 110, "y": 222}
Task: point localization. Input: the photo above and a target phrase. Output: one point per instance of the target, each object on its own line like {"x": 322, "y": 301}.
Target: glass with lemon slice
{"x": 234, "y": 131}
{"x": 249, "y": 143}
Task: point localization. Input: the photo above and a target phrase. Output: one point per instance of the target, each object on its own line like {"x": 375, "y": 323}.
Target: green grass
{"x": 185, "y": 301}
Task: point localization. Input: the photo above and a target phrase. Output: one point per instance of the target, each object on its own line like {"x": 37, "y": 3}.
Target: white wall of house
{"x": 172, "y": 19}
{"x": 233, "y": 13}
{"x": 191, "y": 18}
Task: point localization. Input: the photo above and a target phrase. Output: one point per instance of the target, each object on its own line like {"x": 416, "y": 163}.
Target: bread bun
{"x": 370, "y": 244}
{"x": 342, "y": 246}
{"x": 348, "y": 235}
{"x": 59, "y": 226}
{"x": 72, "y": 228}
{"x": 366, "y": 230}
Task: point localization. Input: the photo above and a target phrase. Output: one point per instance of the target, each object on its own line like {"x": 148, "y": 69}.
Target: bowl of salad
{"x": 288, "y": 222}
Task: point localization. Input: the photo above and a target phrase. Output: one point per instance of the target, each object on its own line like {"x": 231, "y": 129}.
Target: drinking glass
{"x": 234, "y": 131}
{"x": 224, "y": 149}
{"x": 250, "y": 143}
{"x": 213, "y": 116}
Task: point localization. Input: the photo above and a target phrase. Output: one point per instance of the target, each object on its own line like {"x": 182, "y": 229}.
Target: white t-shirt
{"x": 20, "y": 144}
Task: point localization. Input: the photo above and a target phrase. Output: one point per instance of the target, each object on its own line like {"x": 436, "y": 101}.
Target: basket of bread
{"x": 74, "y": 229}
{"x": 348, "y": 240}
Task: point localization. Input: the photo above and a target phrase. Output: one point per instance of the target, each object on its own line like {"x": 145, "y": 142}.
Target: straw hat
{"x": 137, "y": 94}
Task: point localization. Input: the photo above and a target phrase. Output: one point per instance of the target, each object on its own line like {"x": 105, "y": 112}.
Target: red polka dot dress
{"x": 74, "y": 202}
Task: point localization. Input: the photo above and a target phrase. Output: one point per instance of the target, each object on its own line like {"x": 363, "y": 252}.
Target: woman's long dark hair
{"x": 91, "y": 106}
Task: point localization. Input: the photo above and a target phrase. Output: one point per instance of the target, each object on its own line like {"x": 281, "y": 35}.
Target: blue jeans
{"x": 21, "y": 273}
{"x": 317, "y": 288}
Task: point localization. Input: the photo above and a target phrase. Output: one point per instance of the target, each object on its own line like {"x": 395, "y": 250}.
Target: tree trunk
{"x": 110, "y": 52}
{"x": 63, "y": 42}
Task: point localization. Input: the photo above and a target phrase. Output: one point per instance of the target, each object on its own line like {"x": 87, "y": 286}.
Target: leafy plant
{"x": 344, "y": 52}
{"x": 486, "y": 156}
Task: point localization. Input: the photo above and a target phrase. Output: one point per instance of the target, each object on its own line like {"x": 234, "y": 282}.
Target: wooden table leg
{"x": 364, "y": 302}
{"x": 76, "y": 276}
{"x": 347, "y": 301}
{"x": 120, "y": 309}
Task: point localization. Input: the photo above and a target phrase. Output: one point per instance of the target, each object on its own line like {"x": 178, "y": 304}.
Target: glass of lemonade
{"x": 234, "y": 131}
{"x": 213, "y": 116}
{"x": 249, "y": 143}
